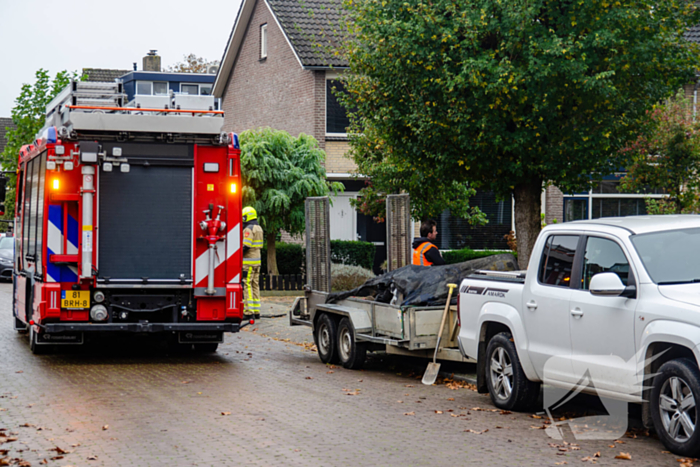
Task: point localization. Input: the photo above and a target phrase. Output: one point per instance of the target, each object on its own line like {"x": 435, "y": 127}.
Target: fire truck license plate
{"x": 75, "y": 299}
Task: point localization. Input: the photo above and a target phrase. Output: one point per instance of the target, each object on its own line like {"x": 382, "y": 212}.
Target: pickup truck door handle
{"x": 576, "y": 312}
{"x": 531, "y": 305}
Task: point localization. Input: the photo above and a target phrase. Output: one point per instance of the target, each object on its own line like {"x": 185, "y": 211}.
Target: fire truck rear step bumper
{"x": 141, "y": 327}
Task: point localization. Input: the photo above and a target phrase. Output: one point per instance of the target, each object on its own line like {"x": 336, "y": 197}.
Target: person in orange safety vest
{"x": 425, "y": 252}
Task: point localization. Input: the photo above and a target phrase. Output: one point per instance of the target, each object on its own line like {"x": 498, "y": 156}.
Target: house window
{"x": 205, "y": 90}
{"x": 605, "y": 199}
{"x": 263, "y": 41}
{"x": 191, "y": 89}
{"x": 151, "y": 88}
{"x": 337, "y": 120}
{"x": 456, "y": 233}
{"x": 160, "y": 88}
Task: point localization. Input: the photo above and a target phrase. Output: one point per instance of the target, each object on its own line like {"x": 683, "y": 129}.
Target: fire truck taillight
{"x": 233, "y": 188}
{"x": 55, "y": 184}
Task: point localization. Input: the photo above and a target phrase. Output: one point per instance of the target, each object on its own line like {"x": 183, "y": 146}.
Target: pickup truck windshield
{"x": 670, "y": 257}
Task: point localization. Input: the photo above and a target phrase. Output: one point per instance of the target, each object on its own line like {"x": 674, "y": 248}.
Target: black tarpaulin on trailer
{"x": 424, "y": 285}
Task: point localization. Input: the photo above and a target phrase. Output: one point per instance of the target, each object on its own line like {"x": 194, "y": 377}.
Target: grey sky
{"x": 76, "y": 34}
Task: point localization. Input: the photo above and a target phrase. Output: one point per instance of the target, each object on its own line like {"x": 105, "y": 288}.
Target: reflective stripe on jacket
{"x": 253, "y": 241}
{"x": 419, "y": 258}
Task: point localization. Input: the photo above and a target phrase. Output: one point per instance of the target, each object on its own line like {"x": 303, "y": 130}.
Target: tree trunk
{"x": 528, "y": 219}
{"x": 272, "y": 254}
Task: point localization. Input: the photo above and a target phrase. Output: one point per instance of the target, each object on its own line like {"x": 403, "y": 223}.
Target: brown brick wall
{"x": 336, "y": 159}
{"x": 274, "y": 92}
{"x": 554, "y": 205}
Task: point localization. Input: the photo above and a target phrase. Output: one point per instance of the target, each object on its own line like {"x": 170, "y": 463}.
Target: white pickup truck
{"x": 612, "y": 304}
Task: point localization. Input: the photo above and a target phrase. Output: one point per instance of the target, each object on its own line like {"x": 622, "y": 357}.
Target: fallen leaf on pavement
{"x": 535, "y": 416}
{"x": 400, "y": 402}
{"x": 225, "y": 413}
{"x": 59, "y": 450}
{"x": 506, "y": 412}
{"x": 92, "y": 458}
{"x": 450, "y": 398}
{"x": 438, "y": 411}
{"x": 624, "y": 455}
{"x": 106, "y": 427}
{"x": 409, "y": 413}
{"x": 475, "y": 432}
{"x": 329, "y": 372}
{"x": 309, "y": 377}
{"x": 597, "y": 454}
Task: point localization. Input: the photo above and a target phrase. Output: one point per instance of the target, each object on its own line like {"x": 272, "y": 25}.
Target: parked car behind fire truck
{"x": 128, "y": 220}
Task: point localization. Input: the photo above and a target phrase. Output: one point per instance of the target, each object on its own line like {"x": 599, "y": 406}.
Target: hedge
{"x": 459, "y": 256}
{"x": 291, "y": 257}
{"x": 353, "y": 253}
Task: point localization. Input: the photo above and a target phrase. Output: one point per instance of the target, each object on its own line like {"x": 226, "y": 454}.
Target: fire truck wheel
{"x": 352, "y": 353}
{"x": 36, "y": 348}
{"x": 325, "y": 336}
{"x": 206, "y": 348}
{"x": 20, "y": 327}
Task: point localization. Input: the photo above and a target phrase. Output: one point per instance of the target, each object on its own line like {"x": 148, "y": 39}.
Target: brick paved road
{"x": 286, "y": 408}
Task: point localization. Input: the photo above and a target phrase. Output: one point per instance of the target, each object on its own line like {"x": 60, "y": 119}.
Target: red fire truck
{"x": 127, "y": 220}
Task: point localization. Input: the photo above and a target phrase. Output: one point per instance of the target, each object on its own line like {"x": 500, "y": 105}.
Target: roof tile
{"x": 103, "y": 74}
{"x": 314, "y": 28}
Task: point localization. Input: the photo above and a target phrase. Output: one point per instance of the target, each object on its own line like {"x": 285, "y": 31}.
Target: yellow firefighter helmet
{"x": 249, "y": 214}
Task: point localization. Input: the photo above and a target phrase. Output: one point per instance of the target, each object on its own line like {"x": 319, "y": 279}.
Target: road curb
{"x": 456, "y": 377}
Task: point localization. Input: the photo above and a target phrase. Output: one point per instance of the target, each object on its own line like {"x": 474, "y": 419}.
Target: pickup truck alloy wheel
{"x": 351, "y": 353}
{"x": 501, "y": 373}
{"x": 508, "y": 386}
{"x": 674, "y": 408}
{"x": 325, "y": 336}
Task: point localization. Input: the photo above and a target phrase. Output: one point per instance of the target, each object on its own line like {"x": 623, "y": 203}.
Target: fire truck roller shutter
{"x": 145, "y": 215}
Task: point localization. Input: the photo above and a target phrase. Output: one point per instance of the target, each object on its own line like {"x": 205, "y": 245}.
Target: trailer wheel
{"x": 206, "y": 348}
{"x": 325, "y": 337}
{"x": 351, "y": 353}
{"x": 34, "y": 346}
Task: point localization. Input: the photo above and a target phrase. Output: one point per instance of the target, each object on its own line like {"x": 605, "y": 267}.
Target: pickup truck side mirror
{"x": 606, "y": 284}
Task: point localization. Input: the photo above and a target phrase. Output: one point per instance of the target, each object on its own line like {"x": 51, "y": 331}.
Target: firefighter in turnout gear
{"x": 252, "y": 246}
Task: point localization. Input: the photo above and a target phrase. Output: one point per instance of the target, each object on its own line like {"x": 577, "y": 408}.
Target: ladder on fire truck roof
{"x": 98, "y": 109}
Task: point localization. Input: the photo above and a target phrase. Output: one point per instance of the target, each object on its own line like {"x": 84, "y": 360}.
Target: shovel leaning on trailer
{"x": 433, "y": 369}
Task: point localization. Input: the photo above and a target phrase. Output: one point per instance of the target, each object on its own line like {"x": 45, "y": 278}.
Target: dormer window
{"x": 263, "y": 41}
{"x": 152, "y": 88}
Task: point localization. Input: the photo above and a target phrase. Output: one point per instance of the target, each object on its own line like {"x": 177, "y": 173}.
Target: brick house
{"x": 273, "y": 74}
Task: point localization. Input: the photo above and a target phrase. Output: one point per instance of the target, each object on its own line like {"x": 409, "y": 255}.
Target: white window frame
{"x": 330, "y": 76}
{"x": 189, "y": 84}
{"x": 263, "y": 41}
{"x": 136, "y": 90}
{"x": 211, "y": 88}
{"x": 167, "y": 88}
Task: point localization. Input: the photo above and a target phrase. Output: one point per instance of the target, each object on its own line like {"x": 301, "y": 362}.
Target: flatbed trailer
{"x": 346, "y": 330}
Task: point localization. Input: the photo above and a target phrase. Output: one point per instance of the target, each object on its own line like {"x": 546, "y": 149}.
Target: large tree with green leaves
{"x": 279, "y": 173}
{"x": 29, "y": 116}
{"x": 666, "y": 155}
{"x": 512, "y": 94}
{"x": 430, "y": 194}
